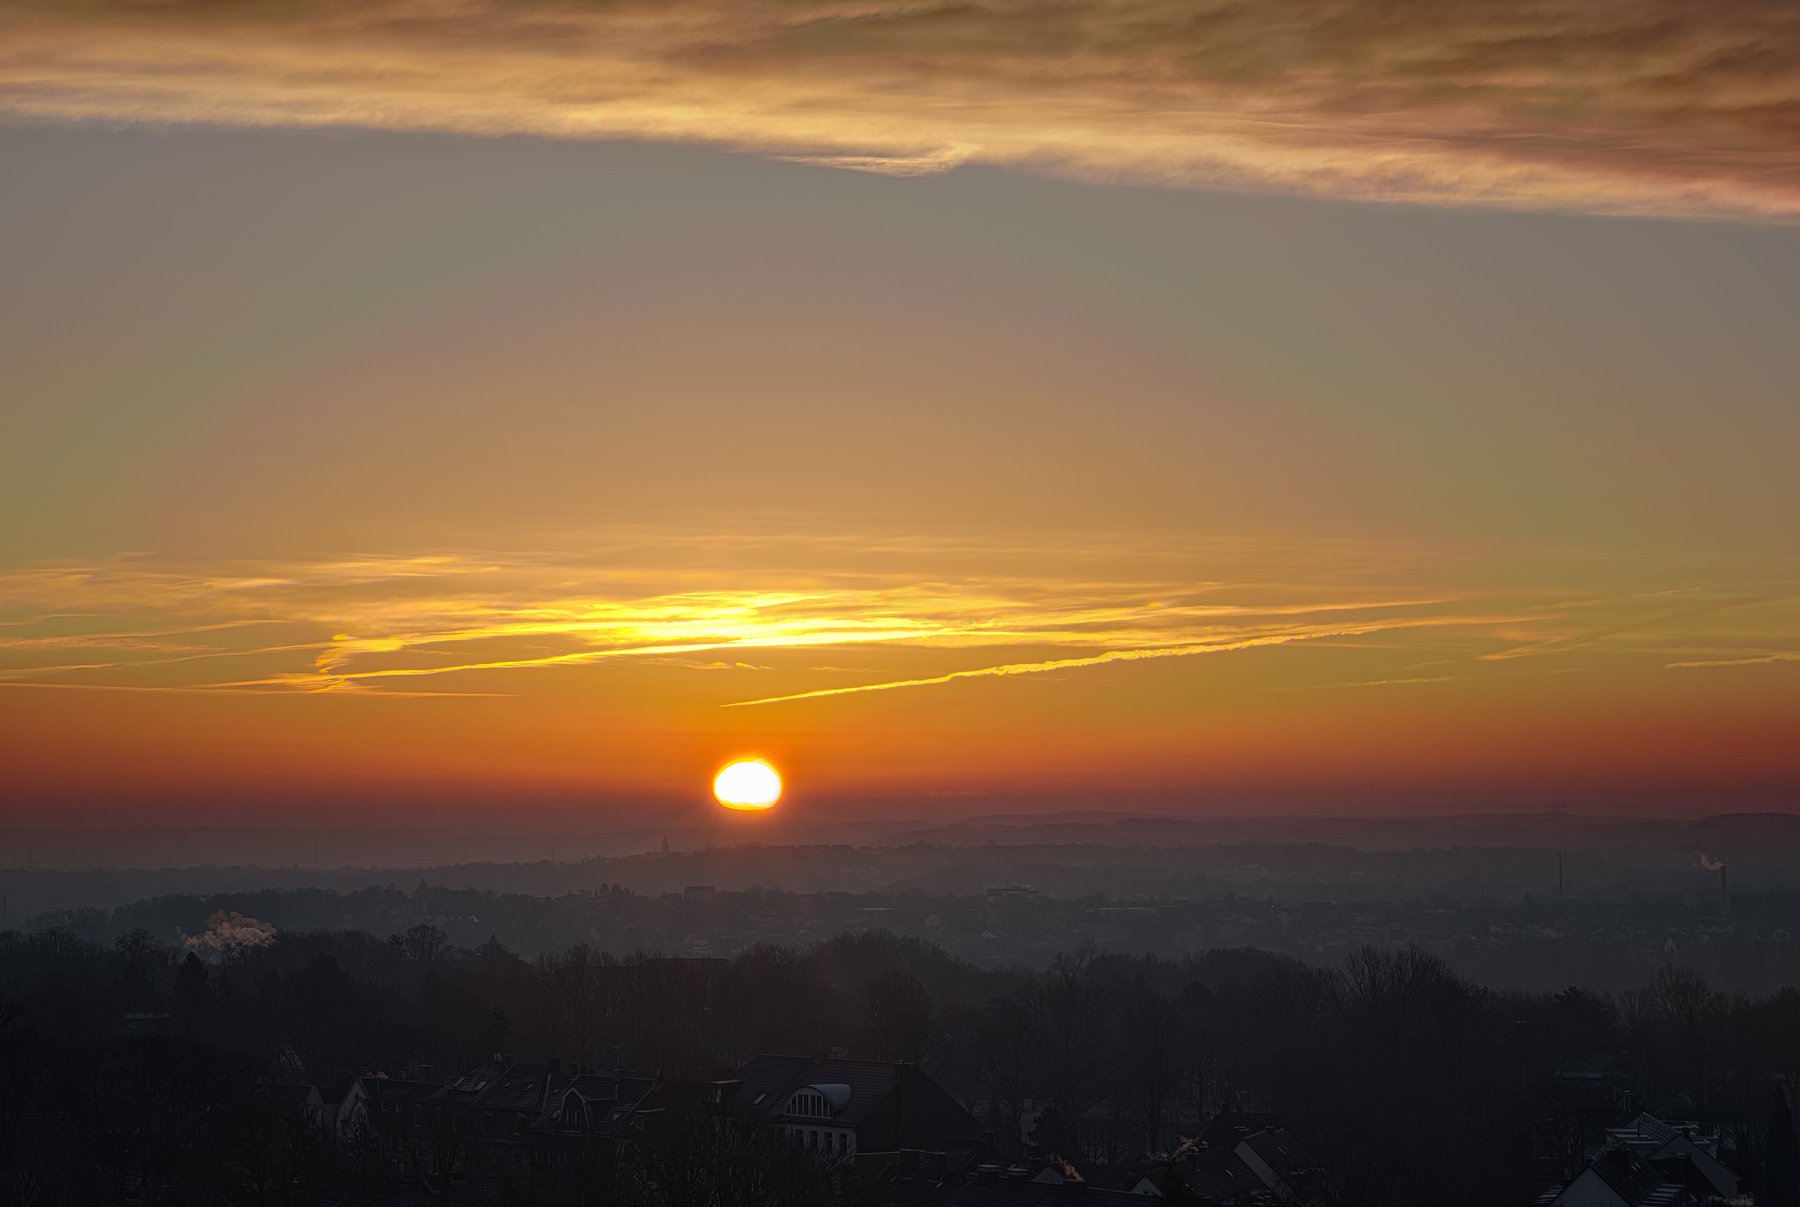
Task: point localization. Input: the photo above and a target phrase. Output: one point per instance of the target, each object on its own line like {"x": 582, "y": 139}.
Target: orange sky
{"x": 392, "y": 416}
{"x": 1002, "y": 676}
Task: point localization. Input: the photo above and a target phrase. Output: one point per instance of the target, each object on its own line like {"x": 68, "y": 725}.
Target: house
{"x": 1719, "y": 1182}
{"x": 1620, "y": 1178}
{"x": 394, "y": 1118}
{"x": 1280, "y": 1164}
{"x": 1234, "y": 1162}
{"x": 393, "y": 1102}
{"x": 423, "y": 1192}
{"x": 1616, "y": 1079}
{"x": 1658, "y": 1141}
{"x": 493, "y": 1106}
{"x": 344, "y": 1109}
{"x": 517, "y": 1114}
{"x": 992, "y": 1184}
{"x": 1214, "y": 1176}
{"x": 841, "y": 1108}
{"x": 299, "y": 1102}
{"x": 588, "y": 1106}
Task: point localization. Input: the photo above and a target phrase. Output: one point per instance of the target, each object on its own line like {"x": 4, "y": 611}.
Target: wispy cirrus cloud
{"x": 389, "y": 626}
{"x": 1770, "y": 659}
{"x": 1404, "y": 681}
{"x": 1254, "y": 641}
{"x": 1650, "y": 107}
{"x": 470, "y": 623}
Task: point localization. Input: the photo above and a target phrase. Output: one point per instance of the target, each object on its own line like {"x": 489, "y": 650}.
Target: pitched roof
{"x": 431, "y": 1192}
{"x": 1652, "y": 1128}
{"x": 1637, "y": 1182}
{"x": 470, "y": 1085}
{"x": 1033, "y": 1194}
{"x": 491, "y": 1086}
{"x": 769, "y": 1081}
{"x": 1276, "y": 1149}
{"x": 1226, "y": 1128}
{"x": 520, "y": 1088}
{"x": 1279, "y": 1149}
{"x": 606, "y": 1100}
{"x": 394, "y": 1094}
{"x": 1684, "y": 1171}
{"x": 1221, "y": 1174}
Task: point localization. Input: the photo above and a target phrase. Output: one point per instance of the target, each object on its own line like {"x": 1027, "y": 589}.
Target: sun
{"x": 747, "y": 784}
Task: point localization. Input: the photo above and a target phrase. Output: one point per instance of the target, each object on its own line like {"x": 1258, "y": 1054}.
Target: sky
{"x": 1207, "y": 408}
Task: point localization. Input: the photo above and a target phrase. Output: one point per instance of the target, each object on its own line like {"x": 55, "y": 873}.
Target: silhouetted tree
{"x": 894, "y": 1019}
{"x": 725, "y": 1159}
{"x": 1781, "y": 1156}
{"x": 1066, "y": 1012}
{"x": 496, "y": 1031}
{"x": 1149, "y": 1057}
{"x": 1008, "y": 1058}
{"x": 425, "y": 943}
{"x": 196, "y": 1006}
{"x": 777, "y": 1000}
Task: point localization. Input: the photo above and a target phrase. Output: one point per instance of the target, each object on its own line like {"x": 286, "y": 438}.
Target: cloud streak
{"x": 1772, "y": 659}
{"x": 377, "y": 626}
{"x": 478, "y": 623}
{"x": 1650, "y": 107}
{"x": 1184, "y": 651}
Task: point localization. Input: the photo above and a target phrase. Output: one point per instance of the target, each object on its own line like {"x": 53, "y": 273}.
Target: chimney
{"x": 987, "y": 1174}
{"x": 1724, "y": 892}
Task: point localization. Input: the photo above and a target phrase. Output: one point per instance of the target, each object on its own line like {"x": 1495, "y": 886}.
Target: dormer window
{"x": 818, "y": 1101}
{"x": 810, "y": 1104}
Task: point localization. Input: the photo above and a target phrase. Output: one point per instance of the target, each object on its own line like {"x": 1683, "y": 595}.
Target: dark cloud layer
{"x": 1651, "y": 106}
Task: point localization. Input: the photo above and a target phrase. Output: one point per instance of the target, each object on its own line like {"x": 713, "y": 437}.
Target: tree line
{"x": 1407, "y": 1082}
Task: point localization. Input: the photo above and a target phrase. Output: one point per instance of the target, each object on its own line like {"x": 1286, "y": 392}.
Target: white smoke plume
{"x": 229, "y": 931}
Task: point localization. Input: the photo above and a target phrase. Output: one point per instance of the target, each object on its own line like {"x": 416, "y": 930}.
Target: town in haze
{"x": 899, "y": 603}
{"x": 1010, "y": 1009}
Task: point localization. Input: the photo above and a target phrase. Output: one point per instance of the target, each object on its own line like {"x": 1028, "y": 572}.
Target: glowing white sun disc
{"x": 749, "y": 784}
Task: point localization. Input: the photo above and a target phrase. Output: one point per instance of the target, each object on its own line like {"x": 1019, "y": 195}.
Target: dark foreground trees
{"x": 139, "y": 1070}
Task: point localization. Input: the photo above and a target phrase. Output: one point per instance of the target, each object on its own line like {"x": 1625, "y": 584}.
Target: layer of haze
{"x": 353, "y": 468}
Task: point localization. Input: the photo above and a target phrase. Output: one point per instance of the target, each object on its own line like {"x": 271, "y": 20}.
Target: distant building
{"x": 300, "y": 1102}
{"x": 842, "y": 1108}
{"x": 1241, "y": 1158}
{"x": 1659, "y": 1142}
{"x": 344, "y": 1111}
{"x": 518, "y": 1113}
{"x": 993, "y": 1184}
{"x": 1620, "y": 1178}
{"x": 393, "y": 1111}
